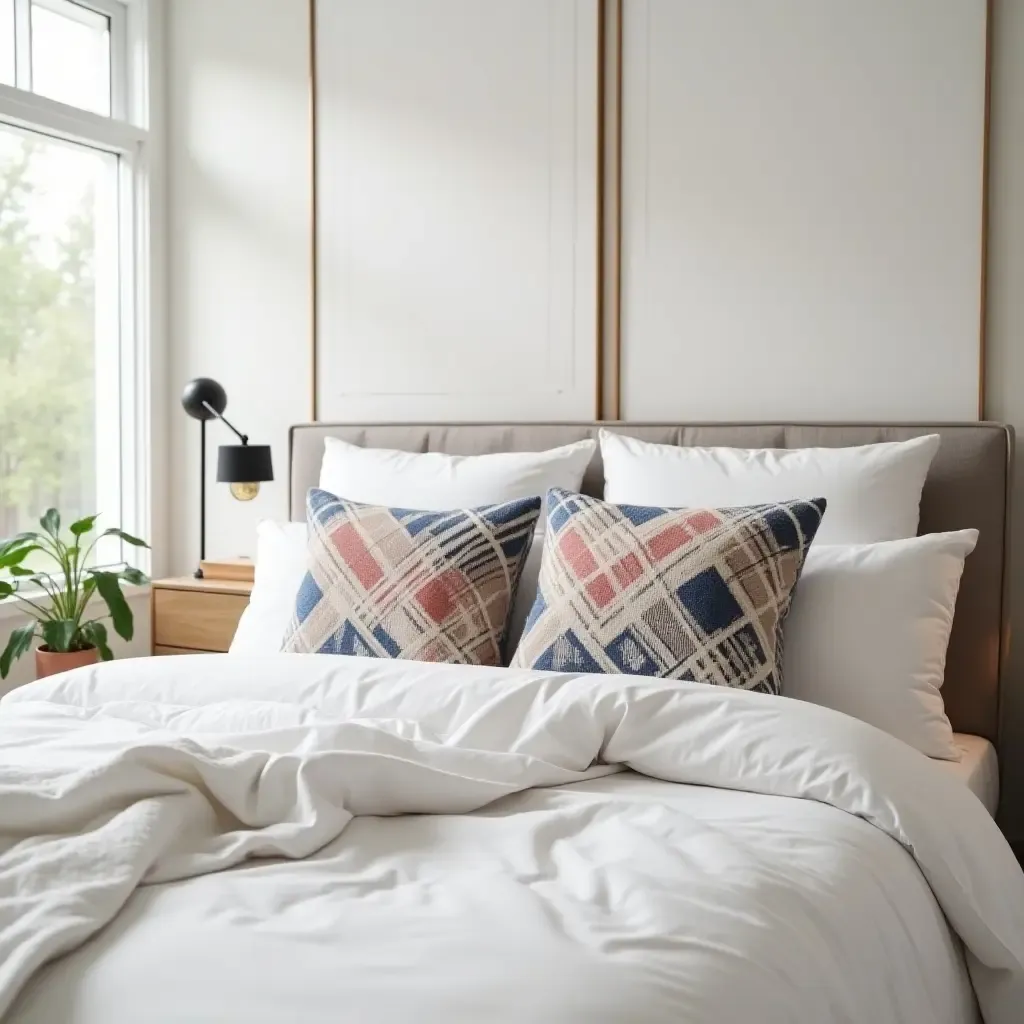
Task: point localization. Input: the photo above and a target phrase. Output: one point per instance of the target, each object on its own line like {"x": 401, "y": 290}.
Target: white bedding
{"x": 747, "y": 869}
{"x": 977, "y": 769}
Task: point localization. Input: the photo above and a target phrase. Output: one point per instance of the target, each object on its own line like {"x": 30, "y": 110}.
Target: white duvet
{"x": 761, "y": 860}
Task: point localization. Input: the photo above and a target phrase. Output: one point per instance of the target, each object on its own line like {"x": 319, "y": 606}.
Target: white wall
{"x": 240, "y": 244}
{"x": 456, "y": 209}
{"x": 241, "y": 293}
{"x": 802, "y": 209}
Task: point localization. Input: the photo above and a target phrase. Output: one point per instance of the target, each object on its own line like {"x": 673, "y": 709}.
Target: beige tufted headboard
{"x": 968, "y": 486}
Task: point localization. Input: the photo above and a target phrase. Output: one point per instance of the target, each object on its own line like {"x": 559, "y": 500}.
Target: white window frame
{"x": 134, "y": 133}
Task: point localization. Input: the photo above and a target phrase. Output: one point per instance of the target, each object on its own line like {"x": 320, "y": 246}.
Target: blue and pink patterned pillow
{"x": 399, "y": 583}
{"x": 698, "y": 594}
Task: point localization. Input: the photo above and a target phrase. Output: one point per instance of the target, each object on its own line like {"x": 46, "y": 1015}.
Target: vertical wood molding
{"x": 616, "y": 411}
{"x": 611, "y": 226}
{"x": 314, "y": 213}
{"x": 601, "y": 177}
{"x": 985, "y": 208}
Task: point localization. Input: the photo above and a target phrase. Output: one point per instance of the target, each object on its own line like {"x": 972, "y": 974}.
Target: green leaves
{"x": 126, "y": 537}
{"x": 59, "y": 634}
{"x": 109, "y": 586}
{"x": 10, "y": 543}
{"x": 13, "y": 555}
{"x": 51, "y": 522}
{"x": 20, "y": 641}
{"x": 60, "y": 603}
{"x": 83, "y": 525}
{"x": 96, "y": 634}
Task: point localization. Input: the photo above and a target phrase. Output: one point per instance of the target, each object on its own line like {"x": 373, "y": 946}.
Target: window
{"x": 73, "y": 268}
{"x": 7, "y": 42}
{"x": 70, "y": 58}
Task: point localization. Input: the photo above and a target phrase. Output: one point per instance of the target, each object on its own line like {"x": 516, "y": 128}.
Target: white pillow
{"x": 280, "y": 568}
{"x": 432, "y": 482}
{"x": 873, "y": 491}
{"x": 437, "y": 483}
{"x": 868, "y": 630}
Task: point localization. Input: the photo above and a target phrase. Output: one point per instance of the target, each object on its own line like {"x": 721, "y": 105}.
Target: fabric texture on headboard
{"x": 968, "y": 486}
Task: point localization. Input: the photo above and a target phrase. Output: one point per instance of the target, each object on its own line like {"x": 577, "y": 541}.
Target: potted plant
{"x": 59, "y": 604}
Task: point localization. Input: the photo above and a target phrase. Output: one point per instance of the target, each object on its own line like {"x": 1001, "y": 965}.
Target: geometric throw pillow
{"x": 698, "y": 594}
{"x": 399, "y": 583}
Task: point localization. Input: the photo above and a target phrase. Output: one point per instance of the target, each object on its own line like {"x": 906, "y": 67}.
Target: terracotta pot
{"x": 49, "y": 663}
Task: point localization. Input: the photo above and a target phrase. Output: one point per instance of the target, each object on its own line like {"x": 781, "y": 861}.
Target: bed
{"x": 315, "y": 838}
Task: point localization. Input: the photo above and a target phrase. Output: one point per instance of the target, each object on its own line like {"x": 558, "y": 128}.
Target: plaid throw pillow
{"x": 422, "y": 586}
{"x": 696, "y": 594}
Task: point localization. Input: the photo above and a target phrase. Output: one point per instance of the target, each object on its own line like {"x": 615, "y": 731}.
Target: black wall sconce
{"x": 244, "y": 466}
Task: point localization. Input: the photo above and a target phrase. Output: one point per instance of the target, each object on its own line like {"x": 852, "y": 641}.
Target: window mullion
{"x": 131, "y": 426}
{"x": 120, "y": 105}
{"x": 23, "y": 44}
{"x": 110, "y": 8}
{"x": 27, "y": 110}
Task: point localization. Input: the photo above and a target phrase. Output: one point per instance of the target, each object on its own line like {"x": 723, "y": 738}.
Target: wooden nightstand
{"x": 193, "y": 616}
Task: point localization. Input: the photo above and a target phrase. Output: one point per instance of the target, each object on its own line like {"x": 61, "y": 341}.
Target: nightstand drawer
{"x": 191, "y": 619}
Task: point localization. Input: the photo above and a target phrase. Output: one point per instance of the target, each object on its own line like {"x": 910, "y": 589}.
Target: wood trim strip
{"x": 615, "y": 411}
{"x": 601, "y": 105}
{"x": 314, "y": 211}
{"x": 985, "y": 172}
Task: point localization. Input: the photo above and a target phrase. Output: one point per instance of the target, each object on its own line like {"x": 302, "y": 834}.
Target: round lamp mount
{"x": 203, "y": 392}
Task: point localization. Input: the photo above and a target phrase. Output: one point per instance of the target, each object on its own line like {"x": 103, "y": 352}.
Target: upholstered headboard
{"x": 968, "y": 486}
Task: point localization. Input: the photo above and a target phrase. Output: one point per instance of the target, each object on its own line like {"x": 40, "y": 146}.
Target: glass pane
{"x": 59, "y": 333}
{"x": 7, "y": 42}
{"x": 71, "y": 54}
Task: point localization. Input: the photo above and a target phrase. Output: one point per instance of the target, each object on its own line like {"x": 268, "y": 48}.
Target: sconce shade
{"x": 244, "y": 463}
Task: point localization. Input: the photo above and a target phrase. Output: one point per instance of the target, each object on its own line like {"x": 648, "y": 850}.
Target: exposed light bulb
{"x": 244, "y": 492}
